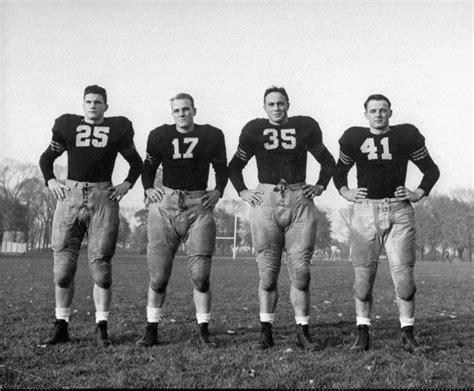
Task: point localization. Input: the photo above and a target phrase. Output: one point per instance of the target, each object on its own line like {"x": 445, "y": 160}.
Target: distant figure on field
{"x": 446, "y": 256}
{"x": 335, "y": 254}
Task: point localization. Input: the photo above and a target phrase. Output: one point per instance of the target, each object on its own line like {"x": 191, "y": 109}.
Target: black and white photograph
{"x": 241, "y": 194}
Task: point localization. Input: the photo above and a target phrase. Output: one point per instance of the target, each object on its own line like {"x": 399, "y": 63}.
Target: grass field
{"x": 445, "y": 320}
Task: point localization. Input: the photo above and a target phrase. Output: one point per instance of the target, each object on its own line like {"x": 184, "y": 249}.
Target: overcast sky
{"x": 328, "y": 55}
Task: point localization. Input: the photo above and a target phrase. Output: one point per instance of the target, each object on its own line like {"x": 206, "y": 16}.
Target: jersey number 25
{"x": 83, "y": 136}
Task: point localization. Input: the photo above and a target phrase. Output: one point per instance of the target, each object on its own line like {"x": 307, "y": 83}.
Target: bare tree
{"x": 27, "y": 204}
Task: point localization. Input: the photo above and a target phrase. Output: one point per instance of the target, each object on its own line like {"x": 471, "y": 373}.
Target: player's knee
{"x": 364, "y": 283}
{"x": 158, "y": 284}
{"x": 363, "y": 291}
{"x": 269, "y": 278}
{"x": 201, "y": 284}
{"x": 102, "y": 273}
{"x": 200, "y": 271}
{"x": 406, "y": 292}
{"x": 64, "y": 276}
{"x": 363, "y": 296}
{"x": 104, "y": 280}
{"x": 268, "y": 284}
{"x": 404, "y": 281}
{"x": 301, "y": 281}
{"x": 63, "y": 280}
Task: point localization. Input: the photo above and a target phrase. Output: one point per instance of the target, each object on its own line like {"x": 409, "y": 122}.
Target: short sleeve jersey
{"x": 280, "y": 150}
{"x": 382, "y": 160}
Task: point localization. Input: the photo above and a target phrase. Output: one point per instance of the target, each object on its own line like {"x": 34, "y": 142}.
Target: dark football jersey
{"x": 91, "y": 149}
{"x": 382, "y": 160}
{"x": 186, "y": 157}
{"x": 281, "y": 151}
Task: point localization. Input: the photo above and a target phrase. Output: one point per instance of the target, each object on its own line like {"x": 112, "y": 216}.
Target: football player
{"x": 283, "y": 211}
{"x": 87, "y": 203}
{"x": 183, "y": 210}
{"x": 383, "y": 215}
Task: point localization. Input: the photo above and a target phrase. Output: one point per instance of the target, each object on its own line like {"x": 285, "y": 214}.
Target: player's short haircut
{"x": 183, "y": 95}
{"x": 95, "y": 89}
{"x": 281, "y": 90}
{"x": 376, "y": 97}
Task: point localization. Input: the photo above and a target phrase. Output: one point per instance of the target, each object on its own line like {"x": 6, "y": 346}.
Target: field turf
{"x": 444, "y": 323}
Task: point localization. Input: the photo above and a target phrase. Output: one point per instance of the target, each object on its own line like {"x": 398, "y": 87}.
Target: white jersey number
{"x": 192, "y": 141}
{"x": 288, "y": 139}
{"x": 370, "y": 149}
{"x": 83, "y": 136}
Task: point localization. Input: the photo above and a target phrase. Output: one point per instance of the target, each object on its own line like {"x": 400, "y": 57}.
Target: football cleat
{"x": 151, "y": 336}
{"x": 361, "y": 344}
{"x": 101, "y": 336}
{"x": 60, "y": 334}
{"x": 205, "y": 337}
{"x": 303, "y": 339}
{"x": 409, "y": 342}
{"x": 266, "y": 339}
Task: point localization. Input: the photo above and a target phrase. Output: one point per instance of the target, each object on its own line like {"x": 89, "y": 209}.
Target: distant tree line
{"x": 231, "y": 215}
{"x": 27, "y": 206}
{"x": 443, "y": 223}
{"x": 444, "y": 226}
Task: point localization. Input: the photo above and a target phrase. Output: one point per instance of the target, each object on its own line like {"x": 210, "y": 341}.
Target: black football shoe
{"x": 205, "y": 337}
{"x": 151, "y": 336}
{"x": 303, "y": 339}
{"x": 60, "y": 334}
{"x": 101, "y": 336}
{"x": 361, "y": 344}
{"x": 409, "y": 342}
{"x": 266, "y": 339}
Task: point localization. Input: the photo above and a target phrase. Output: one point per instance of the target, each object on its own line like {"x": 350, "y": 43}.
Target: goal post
{"x": 234, "y": 238}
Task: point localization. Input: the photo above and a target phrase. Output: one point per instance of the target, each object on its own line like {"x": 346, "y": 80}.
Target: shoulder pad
{"x": 353, "y": 133}
{"x": 409, "y": 132}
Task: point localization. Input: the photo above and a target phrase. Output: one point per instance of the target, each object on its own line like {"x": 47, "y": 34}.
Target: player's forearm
{"x": 328, "y": 166}
{"x": 340, "y": 175}
{"x": 221, "y": 169}
{"x": 136, "y": 167}
{"x": 431, "y": 175}
{"x": 46, "y": 164}
{"x": 148, "y": 175}
{"x": 222, "y": 178}
{"x": 236, "y": 176}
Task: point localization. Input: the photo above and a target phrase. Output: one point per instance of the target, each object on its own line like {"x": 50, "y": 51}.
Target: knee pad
{"x": 201, "y": 284}
{"x": 301, "y": 281}
{"x": 268, "y": 282}
{"x": 64, "y": 275}
{"x": 200, "y": 271}
{"x": 364, "y": 282}
{"x": 404, "y": 281}
{"x": 363, "y": 289}
{"x": 158, "y": 284}
{"x": 102, "y": 273}
{"x": 406, "y": 291}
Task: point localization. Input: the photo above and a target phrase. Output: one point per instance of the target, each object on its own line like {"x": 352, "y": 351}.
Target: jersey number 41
{"x": 369, "y": 147}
